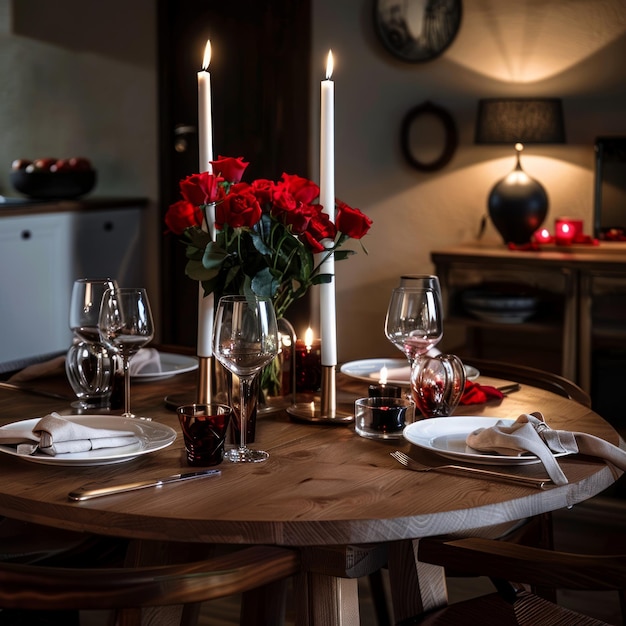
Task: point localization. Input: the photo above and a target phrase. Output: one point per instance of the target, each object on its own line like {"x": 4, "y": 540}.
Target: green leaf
{"x": 264, "y": 283}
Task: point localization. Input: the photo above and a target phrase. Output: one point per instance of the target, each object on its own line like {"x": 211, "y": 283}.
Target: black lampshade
{"x": 523, "y": 120}
{"x": 518, "y": 204}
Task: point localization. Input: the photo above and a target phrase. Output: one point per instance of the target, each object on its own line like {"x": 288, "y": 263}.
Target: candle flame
{"x": 565, "y": 228}
{"x": 207, "y": 55}
{"x": 308, "y": 338}
{"x": 329, "y": 65}
{"x": 382, "y": 377}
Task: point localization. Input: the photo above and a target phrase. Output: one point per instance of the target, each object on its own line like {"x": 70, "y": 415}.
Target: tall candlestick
{"x": 205, "y": 145}
{"x": 327, "y": 200}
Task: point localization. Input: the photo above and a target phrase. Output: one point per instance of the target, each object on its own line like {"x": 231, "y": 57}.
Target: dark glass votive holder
{"x": 204, "y": 429}
{"x": 382, "y": 417}
{"x": 308, "y": 366}
{"x": 383, "y": 390}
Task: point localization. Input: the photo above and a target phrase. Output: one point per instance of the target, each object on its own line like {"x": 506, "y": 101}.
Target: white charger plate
{"x": 171, "y": 364}
{"x": 152, "y": 437}
{"x": 446, "y": 437}
{"x": 369, "y": 369}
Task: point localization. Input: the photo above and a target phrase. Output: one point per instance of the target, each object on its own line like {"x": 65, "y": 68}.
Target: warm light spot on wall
{"x": 529, "y": 41}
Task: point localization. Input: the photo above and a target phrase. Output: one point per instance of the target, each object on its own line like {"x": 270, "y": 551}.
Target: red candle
{"x": 542, "y": 236}
{"x": 308, "y": 363}
{"x": 567, "y": 229}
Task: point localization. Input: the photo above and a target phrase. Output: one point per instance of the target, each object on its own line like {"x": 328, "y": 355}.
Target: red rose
{"x": 320, "y": 227}
{"x": 239, "y": 209}
{"x": 351, "y": 222}
{"x": 298, "y": 218}
{"x": 229, "y": 168}
{"x": 302, "y": 189}
{"x": 182, "y": 215}
{"x": 263, "y": 189}
{"x": 200, "y": 188}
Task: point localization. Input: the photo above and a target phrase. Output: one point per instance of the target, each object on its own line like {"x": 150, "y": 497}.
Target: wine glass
{"x": 89, "y": 365}
{"x": 414, "y": 321}
{"x": 85, "y": 306}
{"x": 125, "y": 324}
{"x": 245, "y": 339}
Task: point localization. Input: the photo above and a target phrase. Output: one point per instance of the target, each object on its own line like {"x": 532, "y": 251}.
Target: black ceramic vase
{"x": 518, "y": 205}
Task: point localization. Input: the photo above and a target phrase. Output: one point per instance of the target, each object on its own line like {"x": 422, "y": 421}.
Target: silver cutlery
{"x": 412, "y": 464}
{"x": 96, "y": 490}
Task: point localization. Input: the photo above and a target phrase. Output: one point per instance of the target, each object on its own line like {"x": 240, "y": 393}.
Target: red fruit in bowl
{"x": 44, "y": 165}
{"x": 79, "y": 163}
{"x": 62, "y": 165}
{"x": 20, "y": 164}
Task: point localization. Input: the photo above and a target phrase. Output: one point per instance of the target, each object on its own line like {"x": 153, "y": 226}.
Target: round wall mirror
{"x": 428, "y": 137}
{"x": 417, "y": 30}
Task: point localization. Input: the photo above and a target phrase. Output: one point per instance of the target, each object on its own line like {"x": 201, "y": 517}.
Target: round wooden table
{"x": 323, "y": 486}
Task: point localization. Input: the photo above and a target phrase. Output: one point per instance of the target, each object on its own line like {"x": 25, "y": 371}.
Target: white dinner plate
{"x": 446, "y": 437}
{"x": 152, "y": 437}
{"x": 399, "y": 372}
{"x": 171, "y": 364}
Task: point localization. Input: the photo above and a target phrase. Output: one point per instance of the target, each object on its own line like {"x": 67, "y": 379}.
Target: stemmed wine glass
{"x": 89, "y": 365}
{"x": 245, "y": 339}
{"x": 125, "y": 324}
{"x": 414, "y": 321}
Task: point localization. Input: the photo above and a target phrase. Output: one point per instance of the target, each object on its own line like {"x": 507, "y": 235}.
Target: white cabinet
{"x": 40, "y": 257}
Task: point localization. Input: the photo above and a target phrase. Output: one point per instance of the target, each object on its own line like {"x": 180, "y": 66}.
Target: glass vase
{"x": 90, "y": 370}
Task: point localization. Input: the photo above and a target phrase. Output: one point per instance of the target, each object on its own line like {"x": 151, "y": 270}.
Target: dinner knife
{"x": 32, "y": 390}
{"x": 96, "y": 490}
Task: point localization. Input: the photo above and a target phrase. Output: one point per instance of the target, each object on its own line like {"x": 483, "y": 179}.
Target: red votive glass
{"x": 567, "y": 229}
{"x": 542, "y": 236}
{"x": 308, "y": 366}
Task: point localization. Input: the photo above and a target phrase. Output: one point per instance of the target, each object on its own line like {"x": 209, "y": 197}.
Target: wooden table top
{"x": 322, "y": 485}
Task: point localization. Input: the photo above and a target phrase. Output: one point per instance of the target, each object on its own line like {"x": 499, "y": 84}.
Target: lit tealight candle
{"x": 308, "y": 363}
{"x": 567, "y": 229}
{"x": 383, "y": 390}
{"x": 542, "y": 236}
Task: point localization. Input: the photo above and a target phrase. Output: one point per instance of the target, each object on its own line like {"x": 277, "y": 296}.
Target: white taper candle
{"x": 205, "y": 149}
{"x": 327, "y": 200}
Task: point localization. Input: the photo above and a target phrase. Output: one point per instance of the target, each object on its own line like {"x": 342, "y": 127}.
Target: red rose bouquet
{"x": 270, "y": 237}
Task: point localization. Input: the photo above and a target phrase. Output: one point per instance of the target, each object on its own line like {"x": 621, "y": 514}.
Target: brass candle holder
{"x": 325, "y": 410}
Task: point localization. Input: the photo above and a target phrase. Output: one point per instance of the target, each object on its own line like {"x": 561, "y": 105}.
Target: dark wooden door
{"x": 260, "y": 94}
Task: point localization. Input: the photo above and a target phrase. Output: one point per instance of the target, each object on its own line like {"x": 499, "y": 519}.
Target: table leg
{"x": 323, "y": 600}
{"x": 415, "y": 587}
{"x": 326, "y": 593}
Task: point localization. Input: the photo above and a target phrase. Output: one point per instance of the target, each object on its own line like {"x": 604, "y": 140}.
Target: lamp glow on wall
{"x": 518, "y": 204}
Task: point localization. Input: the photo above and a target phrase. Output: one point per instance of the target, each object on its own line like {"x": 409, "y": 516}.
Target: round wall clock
{"x": 417, "y": 30}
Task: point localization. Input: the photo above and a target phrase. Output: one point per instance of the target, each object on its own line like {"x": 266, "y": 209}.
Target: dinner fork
{"x": 412, "y": 464}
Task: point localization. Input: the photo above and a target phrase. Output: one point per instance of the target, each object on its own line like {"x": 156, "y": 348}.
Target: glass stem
{"x": 125, "y": 362}
{"x": 244, "y": 399}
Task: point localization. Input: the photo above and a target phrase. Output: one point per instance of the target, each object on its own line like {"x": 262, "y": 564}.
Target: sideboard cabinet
{"x": 579, "y": 328}
{"x": 44, "y": 247}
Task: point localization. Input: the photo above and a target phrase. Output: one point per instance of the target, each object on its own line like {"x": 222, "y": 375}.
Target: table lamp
{"x": 518, "y": 204}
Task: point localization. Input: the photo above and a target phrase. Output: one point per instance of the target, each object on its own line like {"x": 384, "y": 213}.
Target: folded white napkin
{"x": 530, "y": 433}
{"x": 146, "y": 361}
{"x": 54, "y": 435}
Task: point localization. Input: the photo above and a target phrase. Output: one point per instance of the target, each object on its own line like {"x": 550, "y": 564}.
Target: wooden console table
{"x": 588, "y": 284}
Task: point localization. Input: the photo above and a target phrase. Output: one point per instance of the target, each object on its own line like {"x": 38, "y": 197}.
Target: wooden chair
{"x": 513, "y": 604}
{"x": 27, "y": 586}
{"x": 531, "y": 376}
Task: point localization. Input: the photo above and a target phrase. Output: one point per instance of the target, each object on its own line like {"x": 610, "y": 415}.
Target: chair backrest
{"x": 54, "y": 588}
{"x": 531, "y": 376}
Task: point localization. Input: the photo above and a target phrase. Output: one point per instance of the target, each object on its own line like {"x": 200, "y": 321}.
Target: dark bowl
{"x": 53, "y": 185}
